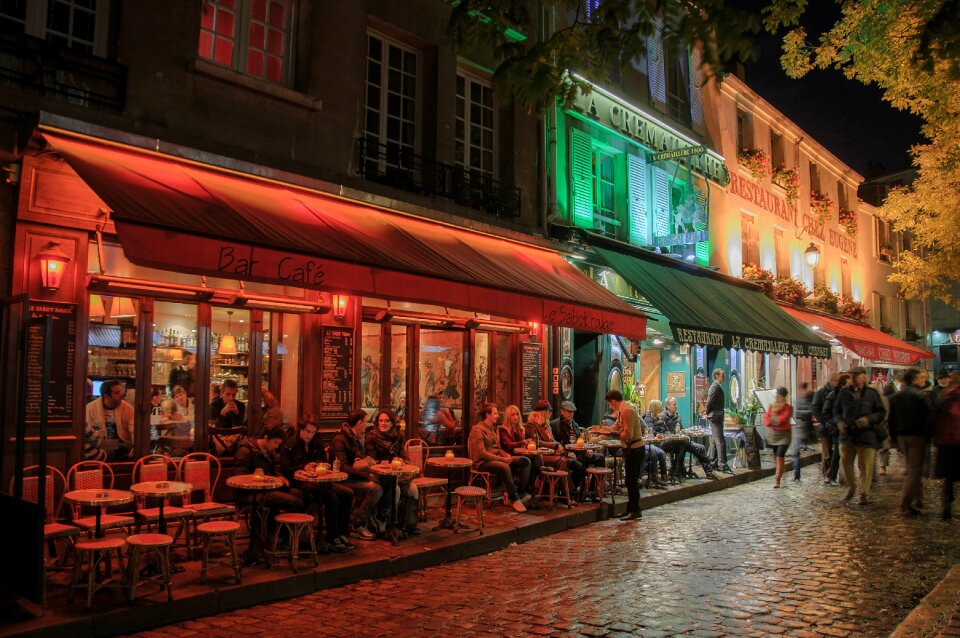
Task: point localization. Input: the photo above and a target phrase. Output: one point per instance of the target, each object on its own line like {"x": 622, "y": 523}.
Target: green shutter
{"x": 581, "y": 178}
{"x": 637, "y": 199}
{"x": 656, "y": 71}
{"x": 661, "y": 201}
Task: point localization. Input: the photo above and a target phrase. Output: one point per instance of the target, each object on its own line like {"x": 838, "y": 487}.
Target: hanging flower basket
{"x": 825, "y": 299}
{"x": 853, "y": 309}
{"x": 789, "y": 290}
{"x": 756, "y": 161}
{"x": 886, "y": 251}
{"x": 789, "y": 180}
{"x": 820, "y": 205}
{"x": 848, "y": 221}
{"x": 757, "y": 275}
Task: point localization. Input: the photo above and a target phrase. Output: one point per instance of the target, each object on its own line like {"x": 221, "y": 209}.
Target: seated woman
{"x": 177, "y": 414}
{"x": 385, "y": 443}
{"x": 670, "y": 423}
{"x": 538, "y": 430}
{"x": 655, "y": 454}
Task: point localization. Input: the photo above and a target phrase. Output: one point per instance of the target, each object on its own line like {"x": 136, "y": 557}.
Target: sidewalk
{"x": 938, "y": 614}
{"x": 369, "y": 561}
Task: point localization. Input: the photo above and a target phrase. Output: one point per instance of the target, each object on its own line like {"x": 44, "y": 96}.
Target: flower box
{"x": 820, "y": 205}
{"x": 756, "y": 161}
{"x": 848, "y": 221}
{"x": 789, "y": 180}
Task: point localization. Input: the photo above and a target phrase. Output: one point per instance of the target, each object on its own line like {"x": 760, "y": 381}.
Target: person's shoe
{"x": 946, "y": 515}
{"x": 847, "y": 497}
{"x": 412, "y": 531}
{"x": 863, "y": 499}
{"x": 727, "y": 469}
{"x": 526, "y": 498}
{"x": 632, "y": 516}
{"x": 833, "y": 484}
{"x": 519, "y": 507}
{"x": 345, "y": 541}
{"x": 707, "y": 473}
{"x": 364, "y": 534}
{"x": 826, "y": 481}
{"x": 910, "y": 512}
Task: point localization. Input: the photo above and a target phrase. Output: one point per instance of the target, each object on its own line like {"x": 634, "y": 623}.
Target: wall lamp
{"x": 53, "y": 263}
{"x": 340, "y": 304}
{"x": 812, "y": 254}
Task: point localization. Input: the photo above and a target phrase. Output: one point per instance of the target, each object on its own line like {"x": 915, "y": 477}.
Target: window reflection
{"x": 441, "y": 398}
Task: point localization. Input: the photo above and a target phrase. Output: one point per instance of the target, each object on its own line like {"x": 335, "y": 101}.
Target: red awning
{"x": 184, "y": 216}
{"x": 865, "y": 341}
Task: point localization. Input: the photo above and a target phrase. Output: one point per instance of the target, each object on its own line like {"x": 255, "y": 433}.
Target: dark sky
{"x": 848, "y": 118}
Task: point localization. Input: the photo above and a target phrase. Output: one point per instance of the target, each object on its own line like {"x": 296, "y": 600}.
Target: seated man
{"x": 260, "y": 454}
{"x": 109, "y": 424}
{"x": 348, "y": 449}
{"x": 484, "y": 450}
{"x": 670, "y": 423}
{"x": 225, "y": 410}
{"x": 565, "y": 428}
{"x": 303, "y": 451}
{"x": 656, "y": 457}
{"x": 538, "y": 430}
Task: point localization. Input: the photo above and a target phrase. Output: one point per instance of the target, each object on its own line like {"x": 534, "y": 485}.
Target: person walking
{"x": 777, "y": 419}
{"x": 946, "y": 436}
{"x": 714, "y": 413}
{"x": 803, "y": 426}
{"x": 860, "y": 411}
{"x": 911, "y": 424}
{"x": 825, "y": 427}
{"x": 833, "y": 417}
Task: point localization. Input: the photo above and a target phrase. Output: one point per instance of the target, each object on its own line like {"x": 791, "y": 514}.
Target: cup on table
{"x": 323, "y": 467}
{"x": 385, "y": 463}
{"x": 258, "y": 473}
{"x": 449, "y": 454}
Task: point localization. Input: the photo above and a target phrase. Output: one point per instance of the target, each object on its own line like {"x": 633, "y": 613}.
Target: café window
{"x": 781, "y": 251}
{"x": 885, "y": 245}
{"x": 678, "y": 85}
{"x": 391, "y": 100}
{"x": 112, "y": 347}
{"x": 776, "y": 149}
{"x": 79, "y": 25}
{"x": 744, "y": 130}
{"x": 229, "y": 390}
{"x": 605, "y": 192}
{"x": 249, "y": 36}
{"x": 842, "y": 199}
{"x": 749, "y": 239}
{"x": 502, "y": 371}
{"x": 441, "y": 387}
{"x": 173, "y": 386}
{"x": 281, "y": 354}
{"x": 814, "y": 176}
{"x": 370, "y": 345}
{"x": 398, "y": 373}
{"x": 476, "y": 131}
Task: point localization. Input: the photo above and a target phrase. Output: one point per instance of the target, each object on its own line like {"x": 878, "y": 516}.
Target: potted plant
{"x": 848, "y": 220}
{"x": 825, "y": 299}
{"x": 757, "y": 275}
{"x": 751, "y": 408}
{"x": 820, "y": 205}
{"x": 853, "y": 309}
{"x": 756, "y": 161}
{"x": 789, "y": 290}
{"x": 886, "y": 251}
{"x": 789, "y": 180}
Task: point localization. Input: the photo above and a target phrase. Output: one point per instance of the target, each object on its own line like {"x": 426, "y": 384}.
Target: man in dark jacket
{"x": 826, "y": 432}
{"x": 565, "y": 428}
{"x": 348, "y": 450}
{"x": 714, "y": 413}
{"x": 860, "y": 410}
{"x": 260, "y": 454}
{"x": 911, "y": 426}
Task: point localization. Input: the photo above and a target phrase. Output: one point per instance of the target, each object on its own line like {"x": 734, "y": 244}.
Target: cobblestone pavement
{"x": 748, "y": 561}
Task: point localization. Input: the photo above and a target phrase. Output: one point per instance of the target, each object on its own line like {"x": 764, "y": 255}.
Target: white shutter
{"x": 637, "y": 198}
{"x": 696, "y": 89}
{"x": 656, "y": 72}
{"x": 581, "y": 179}
{"x": 661, "y": 202}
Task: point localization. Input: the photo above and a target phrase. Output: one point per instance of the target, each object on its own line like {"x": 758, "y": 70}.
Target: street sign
{"x": 678, "y": 153}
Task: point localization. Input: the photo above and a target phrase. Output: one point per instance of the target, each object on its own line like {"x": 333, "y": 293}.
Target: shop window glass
{"x": 273, "y": 411}
{"x": 249, "y": 36}
{"x": 441, "y": 388}
{"x": 173, "y": 378}
{"x": 370, "y": 367}
{"x": 398, "y": 372}
{"x": 229, "y": 376}
{"x": 502, "y": 370}
{"x": 110, "y": 428}
{"x": 604, "y": 192}
{"x": 285, "y": 384}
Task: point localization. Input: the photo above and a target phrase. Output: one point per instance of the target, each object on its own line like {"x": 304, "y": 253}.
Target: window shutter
{"x": 656, "y": 73}
{"x": 877, "y": 309}
{"x": 581, "y": 178}
{"x": 637, "y": 198}
{"x": 696, "y": 89}
{"x": 661, "y": 199}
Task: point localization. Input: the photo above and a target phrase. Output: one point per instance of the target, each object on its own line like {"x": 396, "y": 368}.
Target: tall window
{"x": 604, "y": 192}
{"x": 678, "y": 86}
{"x": 391, "y": 108}
{"x": 776, "y": 149}
{"x": 814, "y": 176}
{"x": 845, "y": 288}
{"x": 79, "y": 25}
{"x": 476, "y": 139}
{"x": 749, "y": 239}
{"x": 842, "y": 199}
{"x": 744, "y": 130}
{"x": 885, "y": 244}
{"x": 782, "y": 250}
{"x": 820, "y": 272}
{"x": 249, "y": 36}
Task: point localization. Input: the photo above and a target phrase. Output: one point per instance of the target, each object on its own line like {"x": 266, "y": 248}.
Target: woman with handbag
{"x": 777, "y": 419}
{"x": 946, "y": 436}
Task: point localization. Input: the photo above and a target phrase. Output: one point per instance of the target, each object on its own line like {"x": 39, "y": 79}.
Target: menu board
{"x": 336, "y": 391}
{"x": 701, "y": 386}
{"x": 531, "y": 356}
{"x": 62, "y": 360}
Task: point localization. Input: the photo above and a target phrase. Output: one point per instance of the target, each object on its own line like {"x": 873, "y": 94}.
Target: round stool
{"x": 550, "y": 480}
{"x": 597, "y": 477}
{"x": 296, "y": 525}
{"x": 226, "y": 533}
{"x": 464, "y": 495}
{"x": 141, "y": 546}
{"x": 96, "y": 552}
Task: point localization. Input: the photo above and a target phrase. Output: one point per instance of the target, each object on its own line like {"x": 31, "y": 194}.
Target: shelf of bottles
{"x": 231, "y": 366}
{"x": 169, "y": 348}
{"x": 112, "y": 351}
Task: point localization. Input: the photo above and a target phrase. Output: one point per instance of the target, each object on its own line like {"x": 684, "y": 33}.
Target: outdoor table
{"x": 100, "y": 499}
{"x": 451, "y": 463}
{"x": 319, "y": 477}
{"x": 399, "y": 472}
{"x": 540, "y": 451}
{"x": 164, "y": 490}
{"x": 257, "y": 486}
{"x": 696, "y": 433}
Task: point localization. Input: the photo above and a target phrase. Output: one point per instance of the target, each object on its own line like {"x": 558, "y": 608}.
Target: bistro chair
{"x": 225, "y": 441}
{"x": 596, "y": 479}
{"x": 202, "y": 471}
{"x": 297, "y": 525}
{"x": 225, "y": 532}
{"x": 466, "y": 495}
{"x": 157, "y": 467}
{"x": 416, "y": 451}
{"x": 94, "y": 475}
{"x": 97, "y": 552}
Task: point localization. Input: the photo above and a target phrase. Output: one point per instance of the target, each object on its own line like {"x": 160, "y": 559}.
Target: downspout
{"x": 550, "y": 146}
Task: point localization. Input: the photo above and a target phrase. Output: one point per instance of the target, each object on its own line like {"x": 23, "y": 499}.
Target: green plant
{"x": 756, "y": 161}
{"x": 789, "y": 180}
{"x": 826, "y": 299}
{"x": 853, "y": 309}
{"x": 789, "y": 290}
{"x": 752, "y": 405}
{"x": 820, "y": 205}
{"x": 755, "y": 274}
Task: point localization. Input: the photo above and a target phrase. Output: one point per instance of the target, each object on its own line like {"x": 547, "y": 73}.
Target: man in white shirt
{"x": 109, "y": 418}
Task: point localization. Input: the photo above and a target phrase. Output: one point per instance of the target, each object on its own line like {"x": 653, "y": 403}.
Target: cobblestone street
{"x": 748, "y": 561}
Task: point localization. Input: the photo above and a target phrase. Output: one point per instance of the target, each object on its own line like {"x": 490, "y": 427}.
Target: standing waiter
{"x": 631, "y": 436}
{"x": 714, "y": 413}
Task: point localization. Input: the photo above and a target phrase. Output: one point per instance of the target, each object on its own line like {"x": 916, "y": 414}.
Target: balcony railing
{"x": 396, "y": 166}
{"x": 33, "y": 64}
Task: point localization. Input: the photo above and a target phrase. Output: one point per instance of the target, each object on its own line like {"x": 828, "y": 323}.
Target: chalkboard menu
{"x": 62, "y": 361}
{"x": 531, "y": 355}
{"x": 336, "y": 392}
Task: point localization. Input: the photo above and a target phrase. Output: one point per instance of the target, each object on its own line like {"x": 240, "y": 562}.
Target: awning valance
{"x": 708, "y": 309}
{"x": 877, "y": 346}
{"x": 181, "y": 215}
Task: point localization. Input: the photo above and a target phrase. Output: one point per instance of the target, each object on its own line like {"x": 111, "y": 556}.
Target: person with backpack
{"x": 946, "y": 436}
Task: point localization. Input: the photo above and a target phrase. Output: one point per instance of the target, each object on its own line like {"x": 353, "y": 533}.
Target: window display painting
{"x": 503, "y": 379}
{"x": 441, "y": 398}
{"x": 676, "y": 384}
{"x": 481, "y": 370}
{"x": 370, "y": 367}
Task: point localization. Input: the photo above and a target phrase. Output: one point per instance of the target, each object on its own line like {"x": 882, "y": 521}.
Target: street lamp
{"x": 812, "y": 255}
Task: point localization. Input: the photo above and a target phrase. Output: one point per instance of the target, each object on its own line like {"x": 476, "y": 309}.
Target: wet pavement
{"x": 747, "y": 561}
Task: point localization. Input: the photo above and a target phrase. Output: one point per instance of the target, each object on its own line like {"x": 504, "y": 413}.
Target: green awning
{"x": 710, "y": 309}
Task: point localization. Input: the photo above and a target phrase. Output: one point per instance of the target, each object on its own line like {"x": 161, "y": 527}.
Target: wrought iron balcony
{"x": 33, "y": 64}
{"x": 399, "y": 167}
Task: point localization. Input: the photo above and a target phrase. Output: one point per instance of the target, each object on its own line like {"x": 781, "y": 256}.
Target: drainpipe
{"x": 550, "y": 145}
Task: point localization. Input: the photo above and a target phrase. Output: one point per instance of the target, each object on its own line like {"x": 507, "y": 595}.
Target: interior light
{"x": 228, "y": 343}
{"x": 53, "y": 263}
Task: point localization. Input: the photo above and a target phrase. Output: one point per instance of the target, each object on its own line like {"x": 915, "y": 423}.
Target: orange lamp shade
{"x": 340, "y": 303}
{"x": 228, "y": 345}
{"x": 534, "y": 328}
{"x": 53, "y": 263}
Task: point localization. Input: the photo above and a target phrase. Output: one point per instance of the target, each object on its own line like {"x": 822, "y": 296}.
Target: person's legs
{"x": 946, "y": 499}
{"x": 521, "y": 467}
{"x": 501, "y": 470}
{"x": 797, "y": 446}
{"x": 633, "y": 460}
{"x": 368, "y": 494}
{"x": 866, "y": 456}
{"x": 848, "y": 454}
{"x": 826, "y": 454}
{"x": 344, "y": 503}
{"x": 834, "y": 459}
{"x": 913, "y": 448}
{"x": 719, "y": 444}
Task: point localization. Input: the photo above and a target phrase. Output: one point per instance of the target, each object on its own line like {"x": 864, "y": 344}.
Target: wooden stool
{"x": 296, "y": 524}
{"x": 464, "y": 494}
{"x": 96, "y": 552}
{"x": 141, "y": 546}
{"x": 597, "y": 476}
{"x": 550, "y": 479}
{"x": 225, "y": 532}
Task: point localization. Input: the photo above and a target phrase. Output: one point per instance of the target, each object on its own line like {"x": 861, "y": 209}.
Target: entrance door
{"x": 590, "y": 371}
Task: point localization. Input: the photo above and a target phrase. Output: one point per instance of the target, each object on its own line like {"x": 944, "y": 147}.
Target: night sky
{"x": 849, "y": 119}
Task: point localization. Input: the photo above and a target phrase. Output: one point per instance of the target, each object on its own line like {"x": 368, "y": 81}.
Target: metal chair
{"x": 94, "y": 475}
{"x": 196, "y": 469}
{"x": 416, "y": 451}
{"x": 296, "y": 525}
{"x": 226, "y": 532}
{"x": 226, "y": 440}
{"x": 465, "y": 494}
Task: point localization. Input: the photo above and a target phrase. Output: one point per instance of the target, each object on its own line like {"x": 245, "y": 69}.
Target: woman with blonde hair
{"x": 655, "y": 456}
{"x": 511, "y": 430}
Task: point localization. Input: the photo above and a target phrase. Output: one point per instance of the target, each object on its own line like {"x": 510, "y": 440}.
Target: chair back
{"x": 88, "y": 475}
{"x": 154, "y": 467}
{"x": 196, "y": 469}
{"x": 416, "y": 452}
{"x": 54, "y": 486}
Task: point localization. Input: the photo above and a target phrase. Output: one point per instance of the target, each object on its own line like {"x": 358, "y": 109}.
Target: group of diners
{"x": 663, "y": 419}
